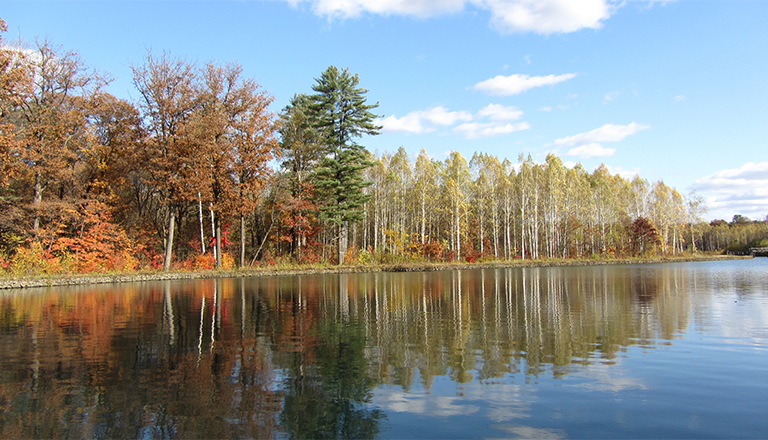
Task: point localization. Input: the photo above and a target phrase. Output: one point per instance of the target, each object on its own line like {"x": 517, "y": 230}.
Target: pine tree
{"x": 340, "y": 115}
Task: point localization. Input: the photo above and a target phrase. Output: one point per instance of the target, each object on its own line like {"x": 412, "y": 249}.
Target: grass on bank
{"x": 41, "y": 267}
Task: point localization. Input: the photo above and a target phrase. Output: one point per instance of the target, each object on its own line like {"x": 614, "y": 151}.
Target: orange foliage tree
{"x": 237, "y": 142}
{"x": 99, "y": 245}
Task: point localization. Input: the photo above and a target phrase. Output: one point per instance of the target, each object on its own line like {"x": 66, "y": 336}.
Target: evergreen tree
{"x": 341, "y": 114}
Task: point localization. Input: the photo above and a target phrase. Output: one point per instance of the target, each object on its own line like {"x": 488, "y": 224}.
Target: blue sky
{"x": 672, "y": 90}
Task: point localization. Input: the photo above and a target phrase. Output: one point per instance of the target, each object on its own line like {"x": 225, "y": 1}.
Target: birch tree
{"x": 456, "y": 183}
{"x": 425, "y": 186}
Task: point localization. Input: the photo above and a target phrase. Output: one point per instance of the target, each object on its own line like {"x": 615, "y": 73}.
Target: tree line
{"x": 198, "y": 172}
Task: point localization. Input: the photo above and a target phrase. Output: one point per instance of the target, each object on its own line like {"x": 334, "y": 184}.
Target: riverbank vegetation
{"x": 198, "y": 173}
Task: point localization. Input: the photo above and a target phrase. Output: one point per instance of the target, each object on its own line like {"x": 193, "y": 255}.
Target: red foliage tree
{"x": 644, "y": 236}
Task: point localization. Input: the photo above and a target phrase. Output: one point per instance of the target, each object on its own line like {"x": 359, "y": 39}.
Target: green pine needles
{"x": 341, "y": 115}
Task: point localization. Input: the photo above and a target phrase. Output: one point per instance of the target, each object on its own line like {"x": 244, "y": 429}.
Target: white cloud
{"x": 679, "y": 98}
{"x": 507, "y": 16}
{"x": 477, "y": 130}
{"x": 355, "y": 8}
{"x": 427, "y": 121}
{"x": 610, "y": 97}
{"x": 423, "y": 121}
{"x": 742, "y": 191}
{"x": 498, "y": 112}
{"x": 546, "y": 109}
{"x": 441, "y": 116}
{"x": 606, "y": 133}
{"x": 623, "y": 172}
{"x": 512, "y": 85}
{"x": 591, "y": 150}
{"x": 547, "y": 16}
{"x": 748, "y": 173}
{"x": 410, "y": 123}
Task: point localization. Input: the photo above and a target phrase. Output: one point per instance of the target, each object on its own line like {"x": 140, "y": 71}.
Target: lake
{"x": 625, "y": 351}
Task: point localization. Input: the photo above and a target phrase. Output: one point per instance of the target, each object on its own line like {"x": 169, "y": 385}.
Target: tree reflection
{"x": 124, "y": 363}
{"x": 327, "y": 400}
{"x": 301, "y": 356}
{"x": 483, "y": 324}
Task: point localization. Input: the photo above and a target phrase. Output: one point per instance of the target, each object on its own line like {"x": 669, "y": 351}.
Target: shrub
{"x": 35, "y": 260}
{"x": 207, "y": 261}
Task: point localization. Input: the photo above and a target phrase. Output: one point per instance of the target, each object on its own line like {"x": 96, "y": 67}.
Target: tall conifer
{"x": 341, "y": 115}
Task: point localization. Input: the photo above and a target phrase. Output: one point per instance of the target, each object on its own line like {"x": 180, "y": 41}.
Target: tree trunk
{"x": 482, "y": 248}
{"x": 218, "y": 242}
{"x": 36, "y": 202}
{"x": 423, "y": 216}
{"x": 342, "y": 243}
{"x": 458, "y": 232}
{"x": 693, "y": 239}
{"x": 495, "y": 231}
{"x": 376, "y": 216}
{"x": 200, "y": 216}
{"x": 213, "y": 231}
{"x": 242, "y": 241}
{"x": 169, "y": 241}
{"x": 522, "y": 226}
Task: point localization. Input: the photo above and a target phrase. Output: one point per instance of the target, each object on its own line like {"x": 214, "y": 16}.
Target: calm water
{"x": 656, "y": 351}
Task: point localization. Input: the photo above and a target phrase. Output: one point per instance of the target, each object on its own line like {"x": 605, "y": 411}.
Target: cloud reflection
{"x": 607, "y": 378}
{"x": 427, "y": 405}
{"x": 525, "y": 432}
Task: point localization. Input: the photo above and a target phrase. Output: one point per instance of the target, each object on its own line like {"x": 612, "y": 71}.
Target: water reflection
{"x": 126, "y": 362}
{"x": 301, "y": 356}
{"x": 495, "y": 322}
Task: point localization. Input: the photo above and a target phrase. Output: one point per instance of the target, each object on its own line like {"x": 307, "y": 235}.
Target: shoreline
{"x": 73, "y": 280}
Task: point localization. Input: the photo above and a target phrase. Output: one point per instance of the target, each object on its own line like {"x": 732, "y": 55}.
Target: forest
{"x": 198, "y": 173}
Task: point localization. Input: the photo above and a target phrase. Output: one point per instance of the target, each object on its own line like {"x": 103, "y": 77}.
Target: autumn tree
{"x": 256, "y": 146}
{"x": 398, "y": 180}
{"x": 236, "y": 140}
{"x": 456, "y": 187}
{"x": 527, "y": 190}
{"x": 425, "y": 185}
{"x": 375, "y": 210}
{"x": 50, "y": 118}
{"x": 15, "y": 85}
{"x": 695, "y": 209}
{"x": 169, "y": 96}
{"x": 644, "y": 236}
{"x": 506, "y": 195}
{"x": 111, "y": 158}
{"x": 340, "y": 116}
{"x": 300, "y": 152}
{"x": 489, "y": 179}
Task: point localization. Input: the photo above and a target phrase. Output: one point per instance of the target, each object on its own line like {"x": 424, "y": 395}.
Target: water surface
{"x": 645, "y": 351}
